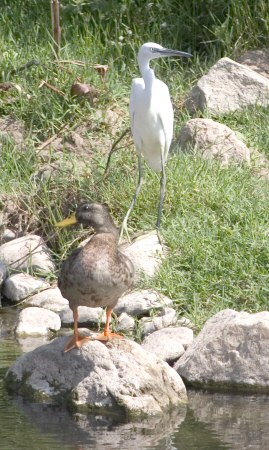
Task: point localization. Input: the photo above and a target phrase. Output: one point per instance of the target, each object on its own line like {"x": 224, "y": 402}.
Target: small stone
{"x": 27, "y": 253}
{"x": 139, "y": 303}
{"x": 166, "y": 318}
{"x": 86, "y": 315}
{"x": 168, "y": 343}
{"x": 212, "y": 139}
{"x": 146, "y": 254}
{"x": 20, "y": 285}
{"x": 35, "y": 321}
{"x": 125, "y": 322}
{"x": 49, "y": 299}
{"x": 84, "y": 90}
{"x": 8, "y": 235}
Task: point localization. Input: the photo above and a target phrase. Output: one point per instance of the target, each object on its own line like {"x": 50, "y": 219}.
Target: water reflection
{"x": 100, "y": 431}
{"x": 212, "y": 421}
{"x": 240, "y": 421}
{"x": 29, "y": 343}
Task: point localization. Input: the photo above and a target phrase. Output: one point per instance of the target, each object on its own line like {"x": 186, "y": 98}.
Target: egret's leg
{"x": 113, "y": 149}
{"x": 137, "y": 190}
{"x": 162, "y": 192}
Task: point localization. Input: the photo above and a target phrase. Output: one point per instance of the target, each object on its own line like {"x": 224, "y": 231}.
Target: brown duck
{"x": 96, "y": 274}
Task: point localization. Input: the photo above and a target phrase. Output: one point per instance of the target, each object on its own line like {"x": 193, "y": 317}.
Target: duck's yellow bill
{"x": 71, "y": 220}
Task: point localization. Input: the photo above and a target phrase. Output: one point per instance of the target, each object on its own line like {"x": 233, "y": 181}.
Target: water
{"x": 212, "y": 421}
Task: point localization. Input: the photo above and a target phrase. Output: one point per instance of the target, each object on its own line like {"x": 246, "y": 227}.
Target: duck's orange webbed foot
{"x": 105, "y": 337}
{"x": 76, "y": 342}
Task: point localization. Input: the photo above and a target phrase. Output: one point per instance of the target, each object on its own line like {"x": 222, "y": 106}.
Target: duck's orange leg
{"x": 107, "y": 334}
{"x": 76, "y": 340}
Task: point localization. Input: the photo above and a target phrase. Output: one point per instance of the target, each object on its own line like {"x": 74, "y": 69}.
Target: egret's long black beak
{"x": 168, "y": 52}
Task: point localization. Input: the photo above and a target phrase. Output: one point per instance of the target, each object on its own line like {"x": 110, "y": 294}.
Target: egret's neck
{"x": 147, "y": 74}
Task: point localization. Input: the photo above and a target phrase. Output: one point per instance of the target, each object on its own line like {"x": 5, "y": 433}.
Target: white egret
{"x": 152, "y": 117}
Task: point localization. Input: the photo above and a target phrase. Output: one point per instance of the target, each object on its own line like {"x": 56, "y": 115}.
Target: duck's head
{"x": 91, "y": 214}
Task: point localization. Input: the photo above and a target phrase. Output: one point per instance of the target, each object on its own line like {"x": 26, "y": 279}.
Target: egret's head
{"x": 150, "y": 50}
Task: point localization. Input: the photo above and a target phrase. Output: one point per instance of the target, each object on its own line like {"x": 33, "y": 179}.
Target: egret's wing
{"x": 131, "y": 105}
{"x": 134, "y": 109}
{"x": 165, "y": 113}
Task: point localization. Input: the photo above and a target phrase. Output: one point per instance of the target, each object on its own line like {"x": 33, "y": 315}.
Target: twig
{"x": 52, "y": 138}
{"x": 55, "y": 19}
{"x": 68, "y": 61}
{"x": 50, "y": 86}
{"x": 60, "y": 66}
{"x": 113, "y": 149}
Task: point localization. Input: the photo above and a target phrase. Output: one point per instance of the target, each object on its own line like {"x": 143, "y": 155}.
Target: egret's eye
{"x": 151, "y": 49}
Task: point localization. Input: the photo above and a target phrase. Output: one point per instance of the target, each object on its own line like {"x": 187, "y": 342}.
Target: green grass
{"x": 215, "y": 221}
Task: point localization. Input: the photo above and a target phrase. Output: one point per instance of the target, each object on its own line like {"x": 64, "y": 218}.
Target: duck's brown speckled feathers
{"x": 98, "y": 273}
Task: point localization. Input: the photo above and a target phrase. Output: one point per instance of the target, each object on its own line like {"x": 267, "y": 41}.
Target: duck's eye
{"x": 86, "y": 207}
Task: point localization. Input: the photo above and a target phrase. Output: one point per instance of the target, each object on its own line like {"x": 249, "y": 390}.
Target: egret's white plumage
{"x": 151, "y": 111}
{"x": 152, "y": 117}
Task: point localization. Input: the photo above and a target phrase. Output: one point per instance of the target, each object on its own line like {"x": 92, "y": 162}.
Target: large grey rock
{"x": 231, "y": 351}
{"x": 146, "y": 254}
{"x": 118, "y": 375}
{"x": 139, "y": 303}
{"x": 213, "y": 140}
{"x": 166, "y": 317}
{"x": 49, "y": 299}
{"x": 27, "y": 253}
{"x": 20, "y": 285}
{"x": 86, "y": 315}
{"x": 35, "y": 321}
{"x": 168, "y": 343}
{"x": 257, "y": 60}
{"x": 227, "y": 87}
